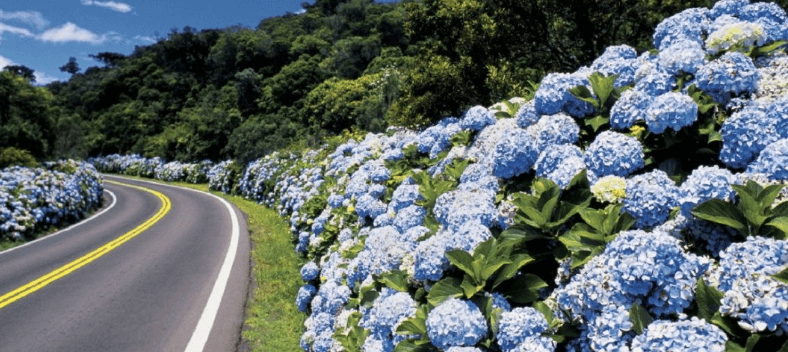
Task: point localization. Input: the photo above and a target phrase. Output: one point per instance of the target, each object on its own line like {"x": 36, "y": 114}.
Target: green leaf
{"x": 751, "y": 342}
{"x": 546, "y": 311}
{"x": 781, "y": 224}
{"x": 520, "y": 233}
{"x": 766, "y": 198}
{"x": 603, "y": 86}
{"x": 781, "y": 209}
{"x": 782, "y": 276}
{"x": 721, "y": 212}
{"x": 511, "y": 269}
{"x": 594, "y": 218}
{"x": 462, "y": 260}
{"x": 523, "y": 289}
{"x": 726, "y": 323}
{"x": 714, "y": 136}
{"x": 582, "y": 93}
{"x": 731, "y": 346}
{"x": 444, "y": 289}
{"x": 640, "y": 318}
{"x": 395, "y": 279}
{"x": 412, "y": 346}
{"x": 597, "y": 122}
{"x": 766, "y": 49}
{"x": 469, "y": 286}
{"x": 708, "y": 299}
{"x": 784, "y": 348}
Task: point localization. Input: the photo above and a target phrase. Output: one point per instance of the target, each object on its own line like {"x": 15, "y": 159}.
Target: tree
{"x": 71, "y": 66}
{"x": 22, "y": 71}
{"x": 109, "y": 59}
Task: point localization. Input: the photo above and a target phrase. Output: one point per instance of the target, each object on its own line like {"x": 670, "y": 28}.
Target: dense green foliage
{"x": 343, "y": 64}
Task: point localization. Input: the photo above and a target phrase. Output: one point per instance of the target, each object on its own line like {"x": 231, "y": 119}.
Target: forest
{"x": 342, "y": 65}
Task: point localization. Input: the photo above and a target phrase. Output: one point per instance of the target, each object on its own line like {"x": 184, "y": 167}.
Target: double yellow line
{"x": 64, "y": 270}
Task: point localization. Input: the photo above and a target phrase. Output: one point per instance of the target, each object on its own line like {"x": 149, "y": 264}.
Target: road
{"x": 137, "y": 277}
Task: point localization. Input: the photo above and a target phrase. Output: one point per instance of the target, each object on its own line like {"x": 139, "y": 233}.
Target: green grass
{"x": 272, "y": 318}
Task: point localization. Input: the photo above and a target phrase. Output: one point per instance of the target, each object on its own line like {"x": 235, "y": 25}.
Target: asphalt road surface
{"x": 141, "y": 276}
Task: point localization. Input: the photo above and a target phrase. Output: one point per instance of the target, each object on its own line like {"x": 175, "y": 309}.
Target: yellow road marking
{"x": 64, "y": 270}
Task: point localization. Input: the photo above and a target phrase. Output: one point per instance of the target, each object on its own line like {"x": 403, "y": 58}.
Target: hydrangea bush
{"x": 633, "y": 205}
{"x": 34, "y": 199}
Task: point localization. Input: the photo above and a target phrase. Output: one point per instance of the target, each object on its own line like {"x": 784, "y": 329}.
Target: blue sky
{"x": 43, "y": 34}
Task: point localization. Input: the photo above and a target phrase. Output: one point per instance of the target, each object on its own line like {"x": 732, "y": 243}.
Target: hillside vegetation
{"x": 343, "y": 64}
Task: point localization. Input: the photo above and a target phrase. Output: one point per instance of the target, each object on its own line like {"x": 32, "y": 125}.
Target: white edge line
{"x": 205, "y": 324}
{"x": 114, "y": 200}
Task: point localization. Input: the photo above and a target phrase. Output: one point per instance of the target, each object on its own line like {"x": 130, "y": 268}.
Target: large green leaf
{"x": 511, "y": 269}
{"x": 603, "y": 86}
{"x": 766, "y": 49}
{"x": 449, "y": 287}
{"x": 640, "y": 318}
{"x": 781, "y": 224}
{"x": 707, "y": 299}
{"x": 395, "y": 279}
{"x": 721, "y": 212}
{"x": 523, "y": 289}
{"x": 470, "y": 286}
{"x": 462, "y": 260}
{"x": 582, "y": 93}
{"x": 782, "y": 276}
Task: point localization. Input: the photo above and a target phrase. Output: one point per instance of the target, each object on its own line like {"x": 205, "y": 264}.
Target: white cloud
{"x": 112, "y": 5}
{"x": 145, "y": 39}
{"x": 43, "y": 79}
{"x": 4, "y": 28}
{"x": 33, "y": 18}
{"x": 5, "y": 62}
{"x": 70, "y": 32}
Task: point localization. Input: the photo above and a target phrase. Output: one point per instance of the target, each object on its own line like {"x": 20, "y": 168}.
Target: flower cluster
{"x": 33, "y": 199}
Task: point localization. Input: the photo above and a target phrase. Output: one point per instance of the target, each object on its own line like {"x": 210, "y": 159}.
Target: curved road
{"x": 145, "y": 294}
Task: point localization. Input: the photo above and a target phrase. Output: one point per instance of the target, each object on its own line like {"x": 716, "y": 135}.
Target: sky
{"x": 44, "y": 34}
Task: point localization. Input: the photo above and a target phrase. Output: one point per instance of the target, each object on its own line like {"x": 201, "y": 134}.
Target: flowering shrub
{"x": 635, "y": 204}
{"x": 34, "y": 199}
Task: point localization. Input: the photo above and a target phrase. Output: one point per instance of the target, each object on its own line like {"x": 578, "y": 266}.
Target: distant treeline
{"x": 343, "y": 64}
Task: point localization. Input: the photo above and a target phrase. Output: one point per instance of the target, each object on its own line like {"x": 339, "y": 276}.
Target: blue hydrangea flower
{"x": 536, "y": 344}
{"x": 560, "y": 163}
{"x": 517, "y": 325}
{"x": 759, "y": 303}
{"x": 514, "y": 154}
{"x": 430, "y": 255}
{"x": 404, "y": 196}
{"x": 553, "y": 96}
{"x": 705, "y": 183}
{"x": 377, "y": 191}
{"x": 629, "y": 108}
{"x": 694, "y": 335}
{"x": 456, "y": 323}
{"x": 730, "y": 75}
{"x": 745, "y": 134}
{"x": 477, "y": 118}
{"x": 309, "y": 271}
{"x": 674, "y": 110}
{"x": 463, "y": 349}
{"x": 757, "y": 255}
{"x": 650, "y": 198}
{"x": 409, "y": 217}
{"x": 437, "y": 138}
{"x": 682, "y": 56}
{"x": 304, "y": 296}
{"x": 335, "y": 200}
{"x": 728, "y": 7}
{"x": 649, "y": 267}
{"x": 526, "y": 115}
{"x": 686, "y": 25}
{"x": 763, "y": 11}
{"x": 772, "y": 162}
{"x": 656, "y": 82}
{"x": 611, "y": 330}
{"x": 618, "y": 60}
{"x": 383, "y": 250}
{"x": 554, "y": 129}
{"x": 388, "y": 310}
{"x": 474, "y": 173}
{"x": 454, "y": 208}
{"x": 613, "y": 153}
{"x": 369, "y": 206}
